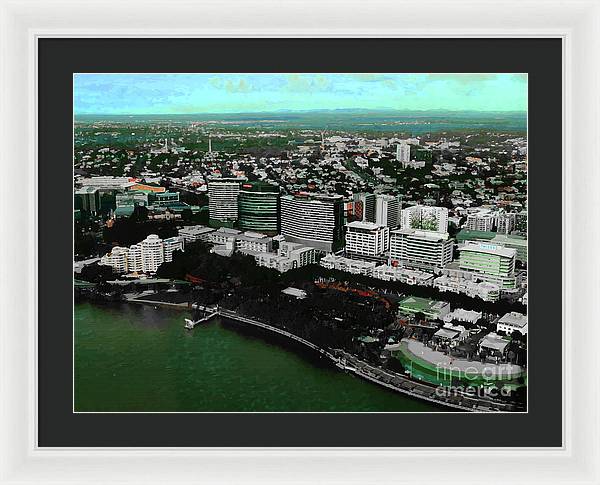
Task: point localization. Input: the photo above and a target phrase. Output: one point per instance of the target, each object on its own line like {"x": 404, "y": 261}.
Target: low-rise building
{"x": 460, "y": 315}
{"x": 512, "y": 321}
{"x": 468, "y": 286}
{"x": 192, "y": 234}
{"x": 354, "y": 266}
{"x": 494, "y": 345}
{"x": 432, "y": 309}
{"x": 253, "y": 242}
{"x": 289, "y": 256}
{"x": 388, "y": 272}
{"x": 295, "y": 292}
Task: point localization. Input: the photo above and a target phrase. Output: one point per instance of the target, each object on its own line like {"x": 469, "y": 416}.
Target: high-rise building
{"x": 223, "y": 200}
{"x": 171, "y": 245}
{"x": 146, "y": 256}
{"x": 366, "y": 238}
{"x": 505, "y": 222}
{"x": 387, "y": 210}
{"x": 425, "y": 218}
{"x": 313, "y": 220}
{"x": 426, "y": 250}
{"x": 403, "y": 153}
{"x": 258, "y": 207}
{"x": 364, "y": 207}
{"x": 152, "y": 253}
{"x": 482, "y": 220}
{"x": 489, "y": 262}
{"x": 88, "y": 198}
{"x": 117, "y": 259}
{"x": 521, "y": 222}
{"x": 135, "y": 261}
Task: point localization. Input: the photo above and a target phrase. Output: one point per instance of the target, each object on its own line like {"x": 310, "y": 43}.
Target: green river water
{"x": 140, "y": 358}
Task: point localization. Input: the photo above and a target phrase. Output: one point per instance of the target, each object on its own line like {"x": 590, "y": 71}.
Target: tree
{"x": 140, "y": 214}
{"x": 187, "y": 215}
{"x": 96, "y": 273}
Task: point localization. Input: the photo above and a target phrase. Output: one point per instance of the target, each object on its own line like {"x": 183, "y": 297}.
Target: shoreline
{"x": 351, "y": 364}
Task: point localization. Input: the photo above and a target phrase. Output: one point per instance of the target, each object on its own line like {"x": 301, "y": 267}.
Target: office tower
{"x": 489, "y": 262}
{"x": 387, "y": 210}
{"x": 88, "y": 198}
{"x": 425, "y": 218}
{"x": 258, "y": 207}
{"x": 314, "y": 220}
{"x": 403, "y": 153}
{"x": 425, "y": 250}
{"x": 223, "y": 200}
{"x": 364, "y": 207}
{"x": 366, "y": 238}
{"x": 209, "y": 144}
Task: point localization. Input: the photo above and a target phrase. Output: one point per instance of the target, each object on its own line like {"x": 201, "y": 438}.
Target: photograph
{"x": 305, "y": 242}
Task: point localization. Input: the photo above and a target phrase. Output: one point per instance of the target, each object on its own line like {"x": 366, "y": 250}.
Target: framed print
{"x": 297, "y": 255}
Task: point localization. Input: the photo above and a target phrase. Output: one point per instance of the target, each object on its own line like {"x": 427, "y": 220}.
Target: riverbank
{"x": 377, "y": 375}
{"x": 458, "y": 400}
{"x": 138, "y": 358}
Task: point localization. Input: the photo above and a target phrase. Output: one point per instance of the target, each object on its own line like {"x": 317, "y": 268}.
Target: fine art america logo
{"x": 466, "y": 387}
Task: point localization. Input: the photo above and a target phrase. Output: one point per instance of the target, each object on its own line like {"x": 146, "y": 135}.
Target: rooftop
{"x": 494, "y": 341}
{"x": 514, "y": 319}
{"x": 487, "y": 248}
{"x": 432, "y": 235}
{"x": 419, "y": 303}
{"x": 370, "y": 226}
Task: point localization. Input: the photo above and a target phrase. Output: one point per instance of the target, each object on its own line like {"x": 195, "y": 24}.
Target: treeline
{"x": 326, "y": 317}
{"x": 128, "y": 231}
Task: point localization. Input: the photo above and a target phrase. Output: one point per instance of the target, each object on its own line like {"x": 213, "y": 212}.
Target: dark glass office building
{"x": 258, "y": 207}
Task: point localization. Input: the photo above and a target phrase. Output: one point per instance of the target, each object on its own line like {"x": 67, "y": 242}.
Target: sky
{"x": 250, "y": 93}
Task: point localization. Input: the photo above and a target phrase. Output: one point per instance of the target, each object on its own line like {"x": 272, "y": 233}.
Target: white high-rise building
{"x": 403, "y": 153}
{"x": 152, "y": 253}
{"x": 387, "y": 210}
{"x": 426, "y": 250}
{"x": 314, "y": 220}
{"x": 366, "y": 238}
{"x": 135, "y": 263}
{"x": 425, "y": 218}
{"x": 482, "y": 220}
{"x": 505, "y": 222}
{"x": 223, "y": 198}
{"x": 117, "y": 259}
{"x": 145, "y": 256}
{"x": 171, "y": 245}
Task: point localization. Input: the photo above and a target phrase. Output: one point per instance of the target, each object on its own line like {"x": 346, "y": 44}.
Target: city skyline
{"x": 172, "y": 94}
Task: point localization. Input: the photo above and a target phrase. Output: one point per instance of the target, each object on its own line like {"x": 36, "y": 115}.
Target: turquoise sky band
{"x": 247, "y": 93}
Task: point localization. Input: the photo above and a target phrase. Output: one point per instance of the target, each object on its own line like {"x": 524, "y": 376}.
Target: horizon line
{"x": 282, "y": 111}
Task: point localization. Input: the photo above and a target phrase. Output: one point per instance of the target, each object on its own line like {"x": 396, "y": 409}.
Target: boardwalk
{"x": 396, "y": 382}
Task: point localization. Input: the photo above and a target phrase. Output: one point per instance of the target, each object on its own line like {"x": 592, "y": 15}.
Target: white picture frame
{"x": 577, "y": 23}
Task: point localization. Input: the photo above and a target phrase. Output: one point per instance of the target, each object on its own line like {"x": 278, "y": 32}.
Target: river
{"x": 138, "y": 358}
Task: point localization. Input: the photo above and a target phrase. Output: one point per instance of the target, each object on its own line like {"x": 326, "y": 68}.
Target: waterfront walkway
{"x": 343, "y": 360}
{"x": 397, "y": 382}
